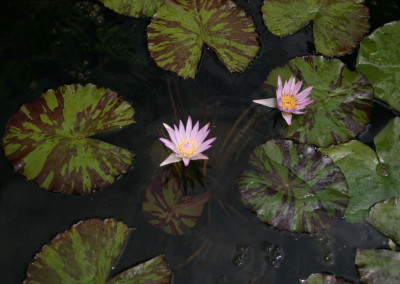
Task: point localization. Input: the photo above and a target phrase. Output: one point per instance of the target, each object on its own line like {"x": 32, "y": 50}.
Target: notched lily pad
{"x": 378, "y": 266}
{"x": 372, "y": 176}
{"x": 379, "y": 61}
{"x": 179, "y": 30}
{"x": 338, "y": 26}
{"x": 86, "y": 254}
{"x": 322, "y": 278}
{"x": 47, "y": 142}
{"x": 293, "y": 187}
{"x": 167, "y": 208}
{"x": 134, "y": 8}
{"x": 342, "y": 100}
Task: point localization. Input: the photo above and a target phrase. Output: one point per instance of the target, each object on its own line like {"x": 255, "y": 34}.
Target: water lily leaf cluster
{"x": 86, "y": 254}
{"x": 379, "y": 61}
{"x": 338, "y": 26}
{"x": 180, "y": 29}
{"x": 48, "y": 140}
{"x": 134, "y": 8}
{"x": 293, "y": 187}
{"x": 322, "y": 278}
{"x": 342, "y": 100}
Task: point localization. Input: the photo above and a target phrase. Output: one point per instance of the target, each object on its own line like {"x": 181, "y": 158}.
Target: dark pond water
{"x": 48, "y": 43}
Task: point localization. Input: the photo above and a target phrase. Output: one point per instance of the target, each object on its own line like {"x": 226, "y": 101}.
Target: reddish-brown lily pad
{"x": 134, "y": 8}
{"x": 47, "y": 140}
{"x": 179, "y": 30}
{"x": 167, "y": 208}
{"x": 86, "y": 254}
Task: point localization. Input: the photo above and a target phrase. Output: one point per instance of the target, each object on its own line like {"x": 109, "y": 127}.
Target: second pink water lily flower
{"x": 288, "y": 98}
{"x": 186, "y": 143}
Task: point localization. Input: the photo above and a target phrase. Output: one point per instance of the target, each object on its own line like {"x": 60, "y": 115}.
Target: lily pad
{"x": 371, "y": 176}
{"x": 385, "y": 216}
{"x": 86, "y": 254}
{"x": 167, "y": 208}
{"x": 338, "y": 25}
{"x": 342, "y": 100}
{"x": 322, "y": 278}
{"x": 134, "y": 8}
{"x": 47, "y": 142}
{"x": 378, "y": 266}
{"x": 179, "y": 30}
{"x": 379, "y": 61}
{"x": 293, "y": 187}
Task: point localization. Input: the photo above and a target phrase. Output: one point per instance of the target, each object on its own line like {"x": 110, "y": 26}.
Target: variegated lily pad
{"x": 47, "y": 142}
{"x": 86, "y": 254}
{"x": 134, "y": 8}
{"x": 379, "y": 61}
{"x": 166, "y": 207}
{"x": 342, "y": 100}
{"x": 293, "y": 187}
{"x": 371, "y": 176}
{"x": 338, "y": 25}
{"x": 378, "y": 266}
{"x": 322, "y": 278}
{"x": 179, "y": 30}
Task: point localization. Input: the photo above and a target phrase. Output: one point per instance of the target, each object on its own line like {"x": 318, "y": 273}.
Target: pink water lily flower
{"x": 288, "y": 98}
{"x": 186, "y": 143}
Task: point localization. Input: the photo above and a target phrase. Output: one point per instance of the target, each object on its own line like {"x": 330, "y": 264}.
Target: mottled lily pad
{"x": 167, "y": 208}
{"x": 338, "y": 25}
{"x": 47, "y": 142}
{"x": 386, "y": 217}
{"x": 134, "y": 8}
{"x": 342, "y": 100}
{"x": 371, "y": 176}
{"x": 379, "y": 61}
{"x": 293, "y": 187}
{"x": 378, "y": 266}
{"x": 322, "y": 278}
{"x": 179, "y": 30}
{"x": 86, "y": 254}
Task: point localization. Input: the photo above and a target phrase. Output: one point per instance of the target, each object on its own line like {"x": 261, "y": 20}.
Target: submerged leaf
{"x": 379, "y": 61}
{"x": 179, "y": 30}
{"x": 322, "y": 278}
{"x": 292, "y": 187}
{"x": 342, "y": 100}
{"x": 47, "y": 142}
{"x": 338, "y": 25}
{"x": 134, "y": 8}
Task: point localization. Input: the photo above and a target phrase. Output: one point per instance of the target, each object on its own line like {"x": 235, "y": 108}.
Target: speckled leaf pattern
{"x": 338, "y": 25}
{"x": 342, "y": 100}
{"x": 47, "y": 140}
{"x": 322, "y": 278}
{"x": 180, "y": 28}
{"x": 385, "y": 216}
{"x": 134, "y": 8}
{"x": 379, "y": 61}
{"x": 167, "y": 208}
{"x": 372, "y": 176}
{"x": 293, "y": 187}
{"x": 378, "y": 266}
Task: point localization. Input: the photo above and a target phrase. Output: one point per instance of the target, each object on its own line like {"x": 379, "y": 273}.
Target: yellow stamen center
{"x": 187, "y": 148}
{"x": 289, "y": 101}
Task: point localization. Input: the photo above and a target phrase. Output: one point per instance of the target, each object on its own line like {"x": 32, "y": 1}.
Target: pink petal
{"x": 288, "y": 117}
{"x": 267, "y": 102}
{"x": 199, "y": 157}
{"x": 171, "y": 159}
{"x": 186, "y": 161}
{"x": 297, "y": 87}
{"x": 182, "y": 132}
{"x": 188, "y": 127}
{"x": 305, "y": 93}
{"x": 171, "y": 133}
{"x": 169, "y": 144}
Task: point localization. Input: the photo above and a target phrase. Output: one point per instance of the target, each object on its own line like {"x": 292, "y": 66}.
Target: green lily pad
{"x": 385, "y": 216}
{"x": 293, "y": 187}
{"x": 47, "y": 142}
{"x": 371, "y": 176}
{"x": 166, "y": 208}
{"x": 179, "y": 30}
{"x": 322, "y": 278}
{"x": 378, "y": 266}
{"x": 134, "y": 8}
{"x": 379, "y": 61}
{"x": 342, "y": 100}
{"x": 86, "y": 254}
{"x": 338, "y": 25}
